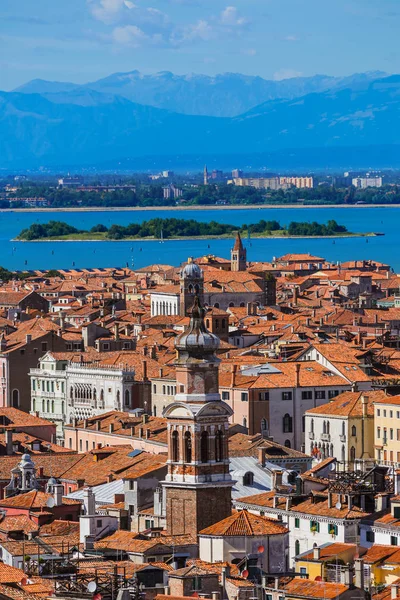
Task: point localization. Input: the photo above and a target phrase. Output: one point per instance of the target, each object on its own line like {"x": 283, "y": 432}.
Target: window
{"x": 263, "y": 396}
{"x": 175, "y": 446}
{"x": 297, "y": 547}
{"x": 219, "y": 451}
{"x": 332, "y": 529}
{"x": 127, "y": 398}
{"x": 196, "y": 584}
{"x": 70, "y": 442}
{"x": 378, "y": 432}
{"x": 148, "y": 524}
{"x": 287, "y": 424}
{"x": 248, "y": 478}
{"x": 244, "y": 397}
{"x": 80, "y": 445}
{"x": 44, "y": 346}
{"x": 287, "y": 444}
{"x": 34, "y": 384}
{"x": 154, "y": 388}
{"x": 320, "y": 395}
{"x": 306, "y": 395}
{"x": 188, "y": 447}
{"x": 393, "y": 540}
{"x": 15, "y": 398}
{"x": 391, "y": 414}
{"x": 354, "y": 431}
{"x": 391, "y": 434}
{"x": 99, "y": 523}
{"x": 297, "y": 523}
{"x": 225, "y": 395}
{"x": 314, "y": 526}
{"x": 333, "y": 394}
{"x": 204, "y": 447}
{"x": 378, "y": 412}
{"x": 286, "y": 395}
{"x": 384, "y": 413}
{"x": 370, "y": 536}
{"x": 303, "y": 571}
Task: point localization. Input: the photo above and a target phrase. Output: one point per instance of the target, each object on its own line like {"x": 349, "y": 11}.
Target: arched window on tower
{"x": 127, "y": 398}
{"x": 188, "y": 447}
{"x": 15, "y": 398}
{"x": 175, "y": 446}
{"x": 204, "y": 447}
{"x": 219, "y": 449}
{"x": 287, "y": 424}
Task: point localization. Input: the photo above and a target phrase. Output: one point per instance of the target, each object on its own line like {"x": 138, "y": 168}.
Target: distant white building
{"x": 366, "y": 182}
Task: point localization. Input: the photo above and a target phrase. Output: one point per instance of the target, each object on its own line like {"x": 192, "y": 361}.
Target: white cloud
{"x": 291, "y": 38}
{"x": 229, "y": 16}
{"x": 286, "y": 74}
{"x": 249, "y": 51}
{"x": 109, "y": 11}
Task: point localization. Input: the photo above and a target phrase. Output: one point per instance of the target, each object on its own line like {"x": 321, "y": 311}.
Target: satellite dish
{"x": 338, "y": 505}
{"x": 50, "y": 502}
{"x": 91, "y": 587}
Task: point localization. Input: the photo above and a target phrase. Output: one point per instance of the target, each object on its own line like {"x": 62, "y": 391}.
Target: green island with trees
{"x": 180, "y": 228}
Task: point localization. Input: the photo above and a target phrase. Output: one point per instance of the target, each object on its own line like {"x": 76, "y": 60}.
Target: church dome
{"x": 26, "y": 459}
{"x": 192, "y": 270}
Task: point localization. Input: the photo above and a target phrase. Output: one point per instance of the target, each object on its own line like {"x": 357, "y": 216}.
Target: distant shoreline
{"x": 194, "y": 208}
{"x": 202, "y": 237}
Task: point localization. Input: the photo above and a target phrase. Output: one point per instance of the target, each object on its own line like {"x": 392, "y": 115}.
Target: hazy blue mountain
{"x": 225, "y": 95}
{"x": 83, "y": 127}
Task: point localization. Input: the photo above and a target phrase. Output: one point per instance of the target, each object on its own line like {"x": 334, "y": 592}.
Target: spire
{"x": 238, "y": 242}
{"x": 196, "y": 342}
{"x": 205, "y": 175}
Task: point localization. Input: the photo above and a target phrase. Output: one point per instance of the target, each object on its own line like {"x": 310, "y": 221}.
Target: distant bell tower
{"x": 205, "y": 181}
{"x": 238, "y": 255}
{"x": 198, "y": 484}
{"x": 191, "y": 285}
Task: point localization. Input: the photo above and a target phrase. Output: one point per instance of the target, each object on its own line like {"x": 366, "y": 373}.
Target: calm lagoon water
{"x": 47, "y": 255}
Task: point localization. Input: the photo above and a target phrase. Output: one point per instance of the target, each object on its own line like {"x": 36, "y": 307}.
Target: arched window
{"x": 48, "y": 406}
{"x": 244, "y": 422}
{"x": 52, "y": 406}
{"x": 312, "y": 426}
{"x": 94, "y": 394}
{"x": 197, "y": 289}
{"x": 263, "y": 425}
{"x": 231, "y": 304}
{"x": 34, "y": 404}
{"x": 343, "y": 454}
{"x": 248, "y": 478}
{"x": 62, "y": 407}
{"x": 343, "y": 428}
{"x": 352, "y": 454}
{"x": 43, "y": 406}
{"x": 204, "y": 447}
{"x": 127, "y": 398}
{"x": 354, "y": 431}
{"x": 287, "y": 424}
{"x": 188, "y": 447}
{"x": 118, "y": 399}
{"x": 324, "y": 427}
{"x": 175, "y": 446}
{"x": 216, "y": 305}
{"x": 219, "y": 450}
{"x": 190, "y": 289}
{"x": 297, "y": 547}
{"x": 71, "y": 392}
{"x": 15, "y": 398}
{"x": 328, "y": 427}
{"x": 101, "y": 398}
{"x": 287, "y": 444}
{"x": 241, "y": 305}
{"x": 155, "y": 411}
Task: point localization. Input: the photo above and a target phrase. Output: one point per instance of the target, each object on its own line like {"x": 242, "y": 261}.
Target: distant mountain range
{"x": 226, "y": 95}
{"x": 61, "y": 124}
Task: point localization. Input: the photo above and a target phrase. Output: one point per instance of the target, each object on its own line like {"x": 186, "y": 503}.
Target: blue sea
{"x": 65, "y": 255}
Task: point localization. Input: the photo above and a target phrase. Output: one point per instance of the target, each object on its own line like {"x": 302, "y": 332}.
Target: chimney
{"x": 249, "y": 309}
{"x": 145, "y": 418}
{"x": 359, "y": 573}
{"x": 145, "y": 370}
{"x": 9, "y": 442}
{"x": 234, "y": 369}
{"x": 161, "y": 373}
{"x": 330, "y": 500}
{"x": 364, "y": 403}
{"x": 153, "y": 353}
{"x": 58, "y": 494}
{"x": 116, "y": 332}
{"x": 316, "y": 554}
{"x": 394, "y": 591}
{"x": 98, "y": 425}
{"x": 261, "y": 456}
{"x": 297, "y": 375}
{"x": 111, "y": 427}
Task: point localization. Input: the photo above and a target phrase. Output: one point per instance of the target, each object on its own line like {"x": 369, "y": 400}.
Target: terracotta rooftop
{"x": 243, "y": 523}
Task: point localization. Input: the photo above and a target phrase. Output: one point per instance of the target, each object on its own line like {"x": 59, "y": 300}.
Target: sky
{"x": 84, "y": 40}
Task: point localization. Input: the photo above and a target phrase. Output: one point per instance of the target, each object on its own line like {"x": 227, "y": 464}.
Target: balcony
{"x": 311, "y": 435}
{"x": 342, "y": 438}
{"x": 325, "y": 437}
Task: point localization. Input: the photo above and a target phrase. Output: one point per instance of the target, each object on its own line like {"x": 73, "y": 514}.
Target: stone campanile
{"x": 191, "y": 285}
{"x": 238, "y": 255}
{"x": 198, "y": 484}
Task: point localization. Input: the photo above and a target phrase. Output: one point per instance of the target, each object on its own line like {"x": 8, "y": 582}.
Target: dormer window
{"x": 248, "y": 478}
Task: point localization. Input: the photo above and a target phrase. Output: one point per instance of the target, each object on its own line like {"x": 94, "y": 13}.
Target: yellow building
{"x": 387, "y": 430}
{"x": 325, "y": 561}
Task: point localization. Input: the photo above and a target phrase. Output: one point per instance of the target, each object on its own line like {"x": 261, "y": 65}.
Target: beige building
{"x": 344, "y": 427}
{"x": 387, "y": 430}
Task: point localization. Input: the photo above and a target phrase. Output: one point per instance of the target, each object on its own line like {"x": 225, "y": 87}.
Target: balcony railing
{"x": 325, "y": 437}
{"x": 311, "y": 435}
{"x": 342, "y": 438}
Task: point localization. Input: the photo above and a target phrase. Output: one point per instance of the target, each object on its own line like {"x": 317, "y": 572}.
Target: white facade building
{"x": 164, "y": 304}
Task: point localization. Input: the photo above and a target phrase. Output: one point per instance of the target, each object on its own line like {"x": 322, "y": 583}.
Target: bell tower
{"x": 198, "y": 484}
{"x": 238, "y": 255}
{"x": 191, "y": 285}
